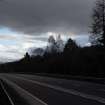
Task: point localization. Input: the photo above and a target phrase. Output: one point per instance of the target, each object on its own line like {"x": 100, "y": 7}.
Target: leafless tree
{"x": 98, "y": 24}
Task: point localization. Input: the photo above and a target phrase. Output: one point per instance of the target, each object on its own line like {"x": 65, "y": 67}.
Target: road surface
{"x": 22, "y": 89}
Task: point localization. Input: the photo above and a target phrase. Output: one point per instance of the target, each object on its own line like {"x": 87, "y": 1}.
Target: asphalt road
{"x": 24, "y": 89}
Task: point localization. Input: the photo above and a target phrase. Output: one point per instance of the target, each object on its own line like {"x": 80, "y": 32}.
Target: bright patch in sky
{"x": 14, "y": 45}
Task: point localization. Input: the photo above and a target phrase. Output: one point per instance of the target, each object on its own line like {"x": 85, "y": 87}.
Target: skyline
{"x": 28, "y": 23}
{"x": 13, "y": 46}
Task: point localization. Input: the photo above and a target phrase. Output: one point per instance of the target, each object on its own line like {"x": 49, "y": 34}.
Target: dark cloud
{"x": 38, "y": 16}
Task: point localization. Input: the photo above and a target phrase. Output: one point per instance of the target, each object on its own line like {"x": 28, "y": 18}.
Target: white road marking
{"x": 25, "y": 93}
{"x": 69, "y": 91}
{"x": 12, "y": 103}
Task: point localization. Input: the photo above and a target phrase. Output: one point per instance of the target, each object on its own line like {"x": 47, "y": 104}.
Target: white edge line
{"x": 70, "y": 91}
{"x": 34, "y": 97}
{"x": 6, "y": 93}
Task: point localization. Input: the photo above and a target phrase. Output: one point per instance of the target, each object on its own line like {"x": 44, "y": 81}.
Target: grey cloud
{"x": 43, "y": 39}
{"x": 8, "y": 37}
{"x": 39, "y": 16}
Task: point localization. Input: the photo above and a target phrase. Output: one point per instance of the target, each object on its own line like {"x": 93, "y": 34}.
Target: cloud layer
{"x": 40, "y": 16}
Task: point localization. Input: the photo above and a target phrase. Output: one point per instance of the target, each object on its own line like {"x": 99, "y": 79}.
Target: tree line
{"x": 74, "y": 60}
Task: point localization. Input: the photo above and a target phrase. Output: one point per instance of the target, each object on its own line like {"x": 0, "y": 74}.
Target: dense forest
{"x": 74, "y": 60}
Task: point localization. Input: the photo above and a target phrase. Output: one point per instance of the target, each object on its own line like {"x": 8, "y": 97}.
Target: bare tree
{"x": 98, "y": 24}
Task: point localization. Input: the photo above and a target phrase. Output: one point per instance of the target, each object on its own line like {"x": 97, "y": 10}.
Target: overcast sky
{"x": 27, "y": 23}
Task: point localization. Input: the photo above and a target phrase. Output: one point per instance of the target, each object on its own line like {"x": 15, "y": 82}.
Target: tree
{"x": 55, "y": 45}
{"x": 51, "y": 48}
{"x": 51, "y": 40}
{"x": 27, "y": 56}
{"x": 70, "y": 46}
{"x": 98, "y": 24}
{"x": 59, "y": 44}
